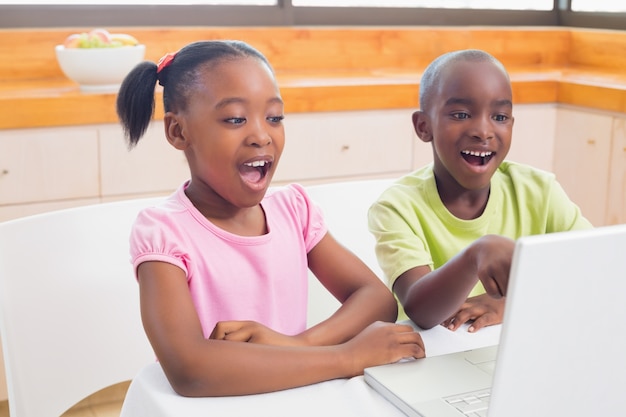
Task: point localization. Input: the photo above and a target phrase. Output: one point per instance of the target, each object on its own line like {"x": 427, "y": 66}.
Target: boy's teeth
{"x": 474, "y": 153}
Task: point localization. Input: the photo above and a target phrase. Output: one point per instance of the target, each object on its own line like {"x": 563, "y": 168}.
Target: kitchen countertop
{"x": 576, "y": 67}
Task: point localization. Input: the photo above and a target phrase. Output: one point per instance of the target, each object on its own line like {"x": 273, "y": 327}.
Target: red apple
{"x": 73, "y": 41}
{"x": 99, "y": 38}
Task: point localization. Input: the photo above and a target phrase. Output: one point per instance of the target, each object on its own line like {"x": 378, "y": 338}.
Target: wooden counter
{"x": 331, "y": 69}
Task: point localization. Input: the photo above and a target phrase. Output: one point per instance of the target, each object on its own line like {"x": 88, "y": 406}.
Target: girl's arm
{"x": 364, "y": 297}
{"x": 196, "y": 366}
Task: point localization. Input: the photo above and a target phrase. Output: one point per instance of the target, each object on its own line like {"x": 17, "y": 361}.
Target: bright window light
{"x": 442, "y": 4}
{"x": 598, "y": 6}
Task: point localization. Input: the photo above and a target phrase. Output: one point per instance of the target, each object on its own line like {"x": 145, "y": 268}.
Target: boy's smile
{"x": 477, "y": 158}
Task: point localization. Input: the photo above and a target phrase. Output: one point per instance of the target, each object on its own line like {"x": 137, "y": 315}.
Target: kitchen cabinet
{"x": 590, "y": 160}
{"x": 48, "y": 164}
{"x": 616, "y": 195}
{"x": 322, "y": 147}
{"x": 152, "y": 167}
{"x": 58, "y": 167}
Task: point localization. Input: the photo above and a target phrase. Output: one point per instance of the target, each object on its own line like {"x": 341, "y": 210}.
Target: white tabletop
{"x": 150, "y": 394}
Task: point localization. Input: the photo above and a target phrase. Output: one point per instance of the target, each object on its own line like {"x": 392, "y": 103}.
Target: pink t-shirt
{"x": 232, "y": 277}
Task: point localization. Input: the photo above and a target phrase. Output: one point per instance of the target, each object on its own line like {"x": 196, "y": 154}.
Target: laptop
{"x": 562, "y": 349}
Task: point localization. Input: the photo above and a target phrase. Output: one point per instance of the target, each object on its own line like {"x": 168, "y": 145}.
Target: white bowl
{"x": 99, "y": 69}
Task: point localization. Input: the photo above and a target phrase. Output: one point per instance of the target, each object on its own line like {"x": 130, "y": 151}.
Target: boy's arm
{"x": 431, "y": 296}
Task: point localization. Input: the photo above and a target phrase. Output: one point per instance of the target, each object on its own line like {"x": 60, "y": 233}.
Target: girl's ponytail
{"x": 135, "y": 101}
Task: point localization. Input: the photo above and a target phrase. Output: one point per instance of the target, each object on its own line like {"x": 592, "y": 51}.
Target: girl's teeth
{"x": 255, "y": 164}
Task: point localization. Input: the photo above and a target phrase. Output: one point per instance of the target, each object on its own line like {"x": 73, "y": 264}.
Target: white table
{"x": 150, "y": 394}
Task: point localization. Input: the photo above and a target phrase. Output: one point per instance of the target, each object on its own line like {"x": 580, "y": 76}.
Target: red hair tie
{"x": 165, "y": 61}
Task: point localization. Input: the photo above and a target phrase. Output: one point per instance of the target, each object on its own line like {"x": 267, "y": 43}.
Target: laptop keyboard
{"x": 472, "y": 404}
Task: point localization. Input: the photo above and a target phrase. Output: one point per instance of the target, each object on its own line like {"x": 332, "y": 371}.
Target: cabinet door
{"x": 153, "y": 166}
{"x": 49, "y": 164}
{"x": 616, "y": 204}
{"x": 581, "y": 160}
{"x": 533, "y": 135}
{"x": 337, "y": 145}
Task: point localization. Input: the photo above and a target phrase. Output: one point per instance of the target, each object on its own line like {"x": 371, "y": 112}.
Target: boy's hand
{"x": 483, "y": 309}
{"x": 493, "y": 255}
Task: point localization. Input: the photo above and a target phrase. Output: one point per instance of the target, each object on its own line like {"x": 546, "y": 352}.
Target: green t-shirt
{"x": 413, "y": 228}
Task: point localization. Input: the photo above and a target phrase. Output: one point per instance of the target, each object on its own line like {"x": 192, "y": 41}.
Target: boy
{"x": 446, "y": 231}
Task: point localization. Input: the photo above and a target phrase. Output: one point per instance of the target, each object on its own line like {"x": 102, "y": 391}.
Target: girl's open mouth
{"x": 477, "y": 158}
{"x": 255, "y": 171}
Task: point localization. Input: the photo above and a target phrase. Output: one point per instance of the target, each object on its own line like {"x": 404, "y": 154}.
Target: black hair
{"x": 432, "y": 73}
{"x": 135, "y": 100}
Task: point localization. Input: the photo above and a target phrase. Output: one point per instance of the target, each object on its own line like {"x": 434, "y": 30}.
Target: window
{"x": 608, "y": 14}
{"x": 450, "y": 4}
{"x": 598, "y": 6}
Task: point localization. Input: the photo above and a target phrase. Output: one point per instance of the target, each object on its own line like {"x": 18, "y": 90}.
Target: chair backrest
{"x": 69, "y": 308}
{"x": 345, "y": 205}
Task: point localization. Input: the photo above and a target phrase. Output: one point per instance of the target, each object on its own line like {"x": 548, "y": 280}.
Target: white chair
{"x": 345, "y": 205}
{"x": 69, "y": 309}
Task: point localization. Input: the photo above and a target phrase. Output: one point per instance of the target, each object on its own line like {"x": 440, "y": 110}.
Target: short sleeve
{"x": 563, "y": 213}
{"x": 154, "y": 239}
{"x": 400, "y": 242}
{"x": 310, "y": 216}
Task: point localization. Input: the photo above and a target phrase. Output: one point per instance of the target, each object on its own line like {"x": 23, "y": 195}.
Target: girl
{"x": 222, "y": 264}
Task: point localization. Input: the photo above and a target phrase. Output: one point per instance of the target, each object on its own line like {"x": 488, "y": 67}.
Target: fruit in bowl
{"x": 99, "y": 60}
{"x": 99, "y": 38}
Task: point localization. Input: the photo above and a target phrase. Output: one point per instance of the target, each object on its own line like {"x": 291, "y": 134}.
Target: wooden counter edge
{"x": 74, "y": 108}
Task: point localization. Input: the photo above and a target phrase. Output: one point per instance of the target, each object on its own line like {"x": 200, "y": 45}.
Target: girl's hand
{"x": 483, "y": 309}
{"x": 382, "y": 343}
{"x": 251, "y": 332}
